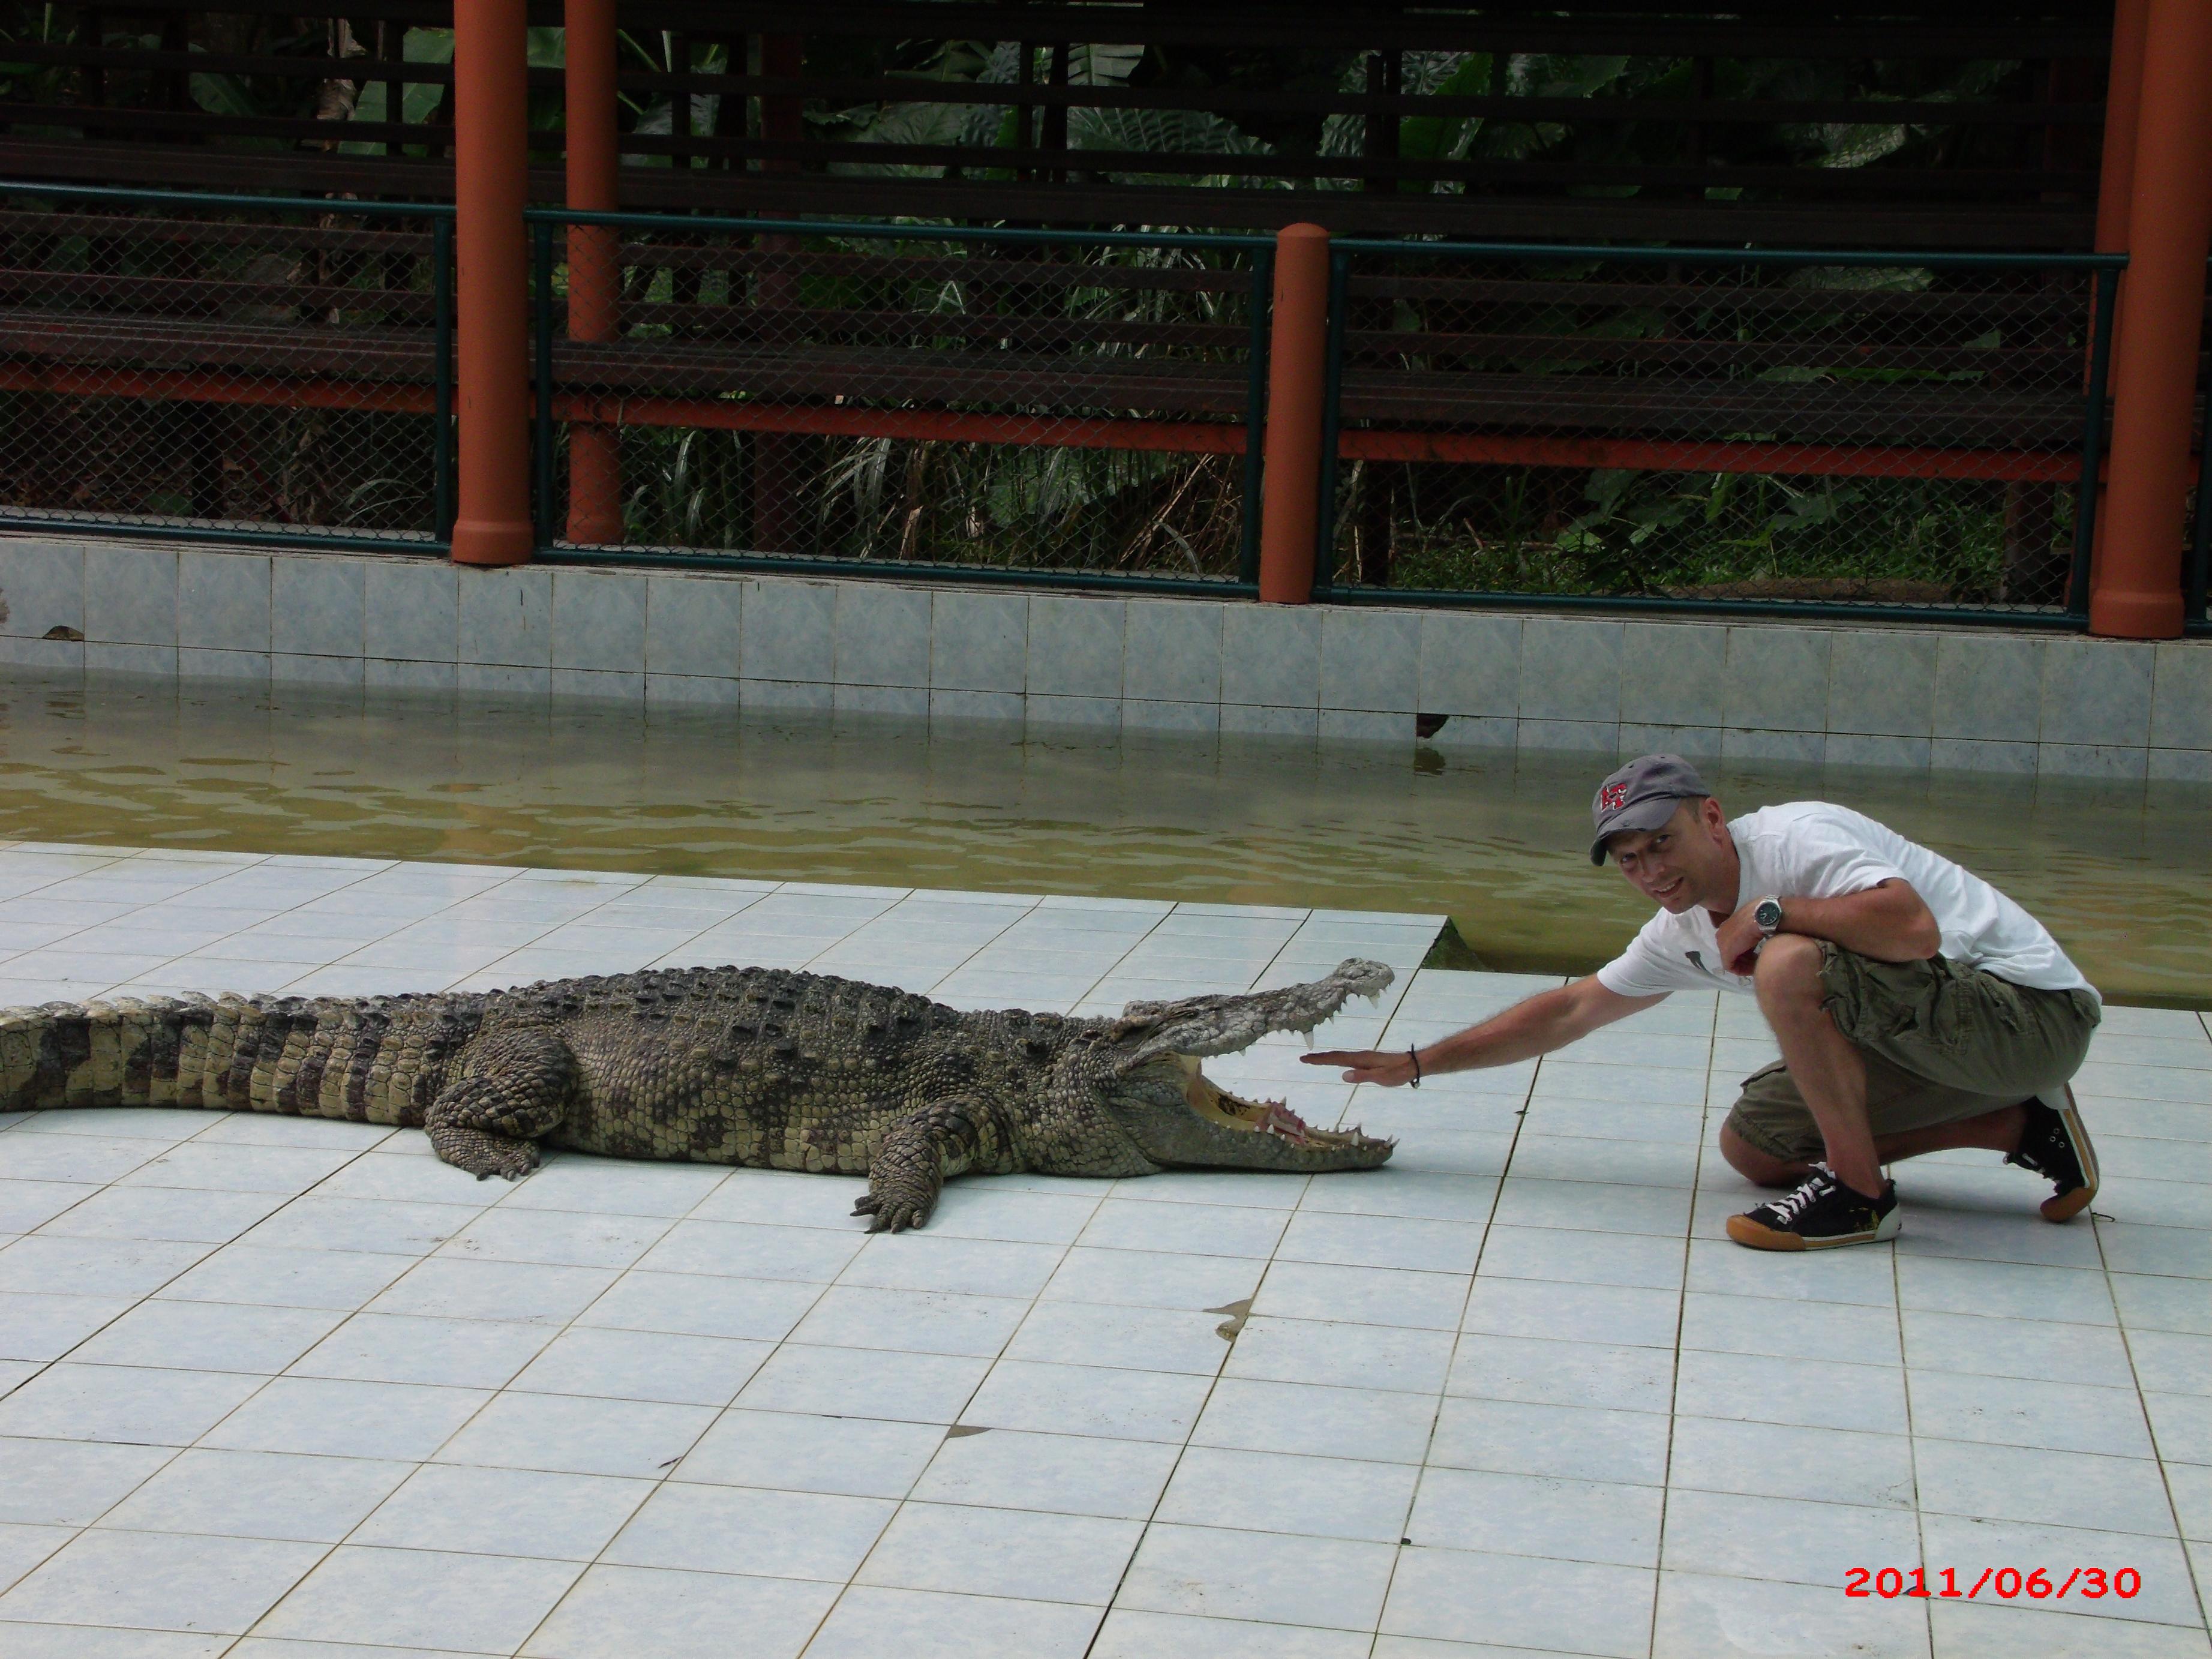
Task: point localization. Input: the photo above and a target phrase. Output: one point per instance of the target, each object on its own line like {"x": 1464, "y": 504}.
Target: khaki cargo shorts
{"x": 1941, "y": 1042}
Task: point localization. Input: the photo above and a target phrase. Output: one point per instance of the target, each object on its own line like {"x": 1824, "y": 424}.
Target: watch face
{"x": 1768, "y": 915}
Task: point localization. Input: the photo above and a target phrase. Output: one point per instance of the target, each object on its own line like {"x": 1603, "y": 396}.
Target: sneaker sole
{"x": 2064, "y": 1207}
{"x": 1750, "y": 1233}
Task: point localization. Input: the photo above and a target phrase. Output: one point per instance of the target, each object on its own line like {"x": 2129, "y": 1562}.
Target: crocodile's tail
{"x": 215, "y": 1052}
{"x": 126, "y": 1052}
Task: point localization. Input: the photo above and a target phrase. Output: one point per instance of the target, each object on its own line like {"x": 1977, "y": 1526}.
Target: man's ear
{"x": 1715, "y": 819}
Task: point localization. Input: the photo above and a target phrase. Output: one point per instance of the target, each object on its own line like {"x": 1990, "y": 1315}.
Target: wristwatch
{"x": 1768, "y": 914}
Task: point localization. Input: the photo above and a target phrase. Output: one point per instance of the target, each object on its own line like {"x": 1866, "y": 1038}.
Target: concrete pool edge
{"x": 1980, "y": 699}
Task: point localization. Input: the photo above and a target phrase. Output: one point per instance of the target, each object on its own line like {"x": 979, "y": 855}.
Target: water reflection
{"x": 1493, "y": 839}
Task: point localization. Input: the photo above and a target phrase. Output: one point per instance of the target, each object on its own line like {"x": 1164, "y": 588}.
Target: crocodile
{"x": 746, "y": 1066}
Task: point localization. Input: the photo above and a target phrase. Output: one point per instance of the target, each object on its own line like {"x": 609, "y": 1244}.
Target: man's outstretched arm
{"x": 1548, "y": 1020}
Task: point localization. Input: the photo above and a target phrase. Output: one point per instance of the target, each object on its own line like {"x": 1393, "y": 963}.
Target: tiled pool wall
{"x": 1979, "y": 699}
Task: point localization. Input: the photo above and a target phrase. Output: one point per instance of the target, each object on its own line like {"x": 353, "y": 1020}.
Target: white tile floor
{"x": 272, "y": 1386}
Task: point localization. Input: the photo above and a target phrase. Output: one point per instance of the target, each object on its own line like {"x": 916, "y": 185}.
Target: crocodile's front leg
{"x": 945, "y": 1138}
{"x": 513, "y": 1087}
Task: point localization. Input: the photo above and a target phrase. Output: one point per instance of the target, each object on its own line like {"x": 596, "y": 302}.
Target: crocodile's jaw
{"x": 1178, "y": 1115}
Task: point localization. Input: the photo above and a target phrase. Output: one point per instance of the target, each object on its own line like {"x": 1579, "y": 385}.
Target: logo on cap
{"x": 1612, "y": 796}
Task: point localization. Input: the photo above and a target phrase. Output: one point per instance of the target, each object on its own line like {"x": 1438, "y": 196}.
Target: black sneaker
{"x": 1821, "y": 1214}
{"x": 2054, "y": 1144}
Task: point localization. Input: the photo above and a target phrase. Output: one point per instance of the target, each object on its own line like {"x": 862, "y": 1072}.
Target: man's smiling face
{"x": 1687, "y": 861}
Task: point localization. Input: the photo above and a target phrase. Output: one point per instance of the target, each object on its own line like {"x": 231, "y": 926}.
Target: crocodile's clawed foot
{"x": 892, "y": 1212}
{"x": 484, "y": 1155}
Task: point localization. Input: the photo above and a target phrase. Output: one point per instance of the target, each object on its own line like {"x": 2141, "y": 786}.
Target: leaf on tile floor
{"x": 1238, "y": 1312}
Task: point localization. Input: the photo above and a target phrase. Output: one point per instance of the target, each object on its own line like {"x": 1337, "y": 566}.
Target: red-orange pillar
{"x": 1297, "y": 371}
{"x": 594, "y": 267}
{"x": 2135, "y": 590}
{"x": 2116, "y": 170}
{"x": 492, "y": 279}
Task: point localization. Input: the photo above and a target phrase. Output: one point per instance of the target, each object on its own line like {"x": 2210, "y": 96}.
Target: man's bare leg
{"x": 1828, "y": 1069}
{"x": 1997, "y": 1131}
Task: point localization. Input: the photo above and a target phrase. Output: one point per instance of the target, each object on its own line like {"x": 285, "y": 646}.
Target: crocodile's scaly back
{"x": 750, "y": 1066}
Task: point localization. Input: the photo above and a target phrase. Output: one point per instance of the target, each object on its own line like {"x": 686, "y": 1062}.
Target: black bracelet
{"x": 1414, "y": 1054}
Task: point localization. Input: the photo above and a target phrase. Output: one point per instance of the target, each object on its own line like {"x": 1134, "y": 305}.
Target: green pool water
{"x": 2121, "y": 873}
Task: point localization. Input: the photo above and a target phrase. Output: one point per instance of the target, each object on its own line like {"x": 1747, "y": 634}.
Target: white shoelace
{"x": 1814, "y": 1188}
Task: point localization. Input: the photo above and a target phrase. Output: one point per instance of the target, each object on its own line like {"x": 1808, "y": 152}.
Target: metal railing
{"x": 1874, "y": 434}
{"x": 1081, "y": 408}
{"x": 239, "y": 368}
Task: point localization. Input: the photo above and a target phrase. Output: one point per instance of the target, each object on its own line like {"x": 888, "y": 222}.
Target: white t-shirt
{"x": 1810, "y": 849}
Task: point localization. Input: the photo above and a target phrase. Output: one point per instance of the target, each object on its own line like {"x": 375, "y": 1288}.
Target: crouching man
{"x": 1918, "y": 1009}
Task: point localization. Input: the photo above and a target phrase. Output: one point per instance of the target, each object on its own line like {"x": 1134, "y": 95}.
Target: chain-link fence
{"x": 201, "y": 365}
{"x": 1895, "y": 433}
{"x": 1000, "y": 400}
{"x": 1719, "y": 428}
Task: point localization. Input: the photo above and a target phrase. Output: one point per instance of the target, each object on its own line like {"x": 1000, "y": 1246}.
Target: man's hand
{"x": 1739, "y": 938}
{"x": 1390, "y": 1067}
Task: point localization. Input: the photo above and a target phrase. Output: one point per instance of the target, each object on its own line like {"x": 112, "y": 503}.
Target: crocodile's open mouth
{"x": 1216, "y": 1105}
{"x": 1176, "y": 1115}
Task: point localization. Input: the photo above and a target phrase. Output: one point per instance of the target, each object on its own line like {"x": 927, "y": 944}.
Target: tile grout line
{"x": 1183, "y": 1447}
{"x": 516, "y": 876}
{"x": 124, "y": 986}
{"x": 260, "y": 1387}
{"x": 663, "y": 1477}
{"x": 899, "y": 1505}
{"x": 1912, "y": 1435}
{"x": 1682, "y": 1314}
{"x": 1229, "y": 1350}
{"x": 977, "y": 951}
{"x": 1459, "y": 1336}
{"x": 554, "y": 928}
{"x": 125, "y": 855}
{"x": 2142, "y": 1406}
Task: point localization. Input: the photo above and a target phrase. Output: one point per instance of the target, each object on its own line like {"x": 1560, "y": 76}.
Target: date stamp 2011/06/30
{"x": 1995, "y": 1583}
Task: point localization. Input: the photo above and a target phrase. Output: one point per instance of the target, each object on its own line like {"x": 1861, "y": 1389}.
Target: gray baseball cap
{"x": 1642, "y": 795}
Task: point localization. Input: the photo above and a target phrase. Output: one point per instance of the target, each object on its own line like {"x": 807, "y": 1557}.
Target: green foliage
{"x": 1508, "y": 529}
{"x": 420, "y": 100}
{"x": 1441, "y": 137}
{"x": 972, "y": 504}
